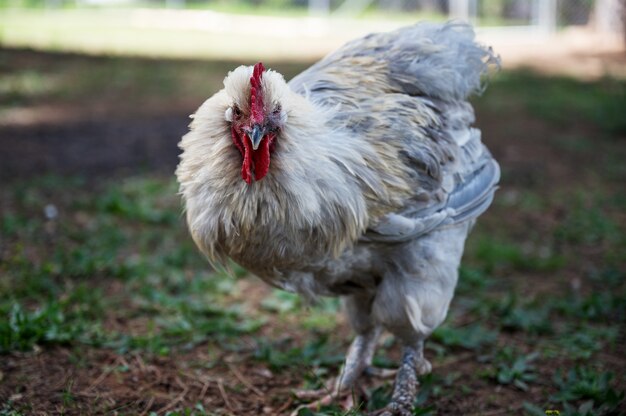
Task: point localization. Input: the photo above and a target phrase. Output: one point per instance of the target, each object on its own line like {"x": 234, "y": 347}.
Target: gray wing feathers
{"x": 395, "y": 228}
{"x": 470, "y": 199}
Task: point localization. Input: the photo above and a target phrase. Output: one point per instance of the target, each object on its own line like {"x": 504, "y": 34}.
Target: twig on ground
{"x": 157, "y": 372}
{"x": 220, "y": 386}
{"x": 204, "y": 390}
{"x": 123, "y": 361}
{"x": 285, "y": 406}
{"x": 147, "y": 387}
{"x": 181, "y": 384}
{"x": 99, "y": 395}
{"x": 101, "y": 377}
{"x": 147, "y": 407}
{"x": 177, "y": 400}
{"x": 139, "y": 360}
{"x": 244, "y": 381}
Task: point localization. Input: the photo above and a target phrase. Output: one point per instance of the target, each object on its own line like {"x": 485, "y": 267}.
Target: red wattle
{"x": 246, "y": 167}
{"x": 262, "y": 158}
{"x": 237, "y": 141}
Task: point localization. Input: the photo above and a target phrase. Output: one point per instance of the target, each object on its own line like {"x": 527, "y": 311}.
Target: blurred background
{"x": 287, "y": 29}
{"x": 107, "y": 308}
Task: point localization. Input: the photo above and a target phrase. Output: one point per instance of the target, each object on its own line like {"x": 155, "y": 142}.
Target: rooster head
{"x": 256, "y": 118}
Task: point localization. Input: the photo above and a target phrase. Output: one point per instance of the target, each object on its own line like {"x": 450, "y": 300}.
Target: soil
{"x": 93, "y": 147}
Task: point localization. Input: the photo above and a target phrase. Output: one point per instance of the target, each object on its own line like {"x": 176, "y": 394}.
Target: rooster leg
{"x": 360, "y": 355}
{"x": 405, "y": 388}
{"x": 359, "y": 358}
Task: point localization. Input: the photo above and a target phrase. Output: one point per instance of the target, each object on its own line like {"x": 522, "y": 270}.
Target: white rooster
{"x": 359, "y": 178}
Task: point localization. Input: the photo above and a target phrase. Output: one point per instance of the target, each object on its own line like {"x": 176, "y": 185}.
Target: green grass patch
{"x": 587, "y": 222}
{"x": 494, "y": 255}
{"x": 319, "y": 352}
{"x": 472, "y": 337}
{"x": 55, "y": 322}
{"x": 130, "y": 232}
{"x": 513, "y": 368}
{"x": 594, "y": 388}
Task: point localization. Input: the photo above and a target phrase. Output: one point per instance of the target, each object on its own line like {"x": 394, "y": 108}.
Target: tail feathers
{"x": 439, "y": 61}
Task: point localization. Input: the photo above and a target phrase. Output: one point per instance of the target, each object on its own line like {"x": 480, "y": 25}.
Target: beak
{"x": 256, "y": 135}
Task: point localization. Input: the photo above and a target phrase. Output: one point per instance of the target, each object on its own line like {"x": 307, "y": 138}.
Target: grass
{"x": 165, "y": 278}
{"x": 99, "y": 274}
{"x": 583, "y": 392}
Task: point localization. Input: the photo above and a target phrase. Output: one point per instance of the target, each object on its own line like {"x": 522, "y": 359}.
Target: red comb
{"x": 256, "y": 93}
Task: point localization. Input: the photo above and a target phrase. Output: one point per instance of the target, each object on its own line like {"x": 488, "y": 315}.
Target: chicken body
{"x": 375, "y": 179}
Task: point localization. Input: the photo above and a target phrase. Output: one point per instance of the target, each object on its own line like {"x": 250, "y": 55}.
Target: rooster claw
{"x": 378, "y": 372}
{"x": 311, "y": 394}
{"x": 324, "y": 398}
{"x": 316, "y": 405}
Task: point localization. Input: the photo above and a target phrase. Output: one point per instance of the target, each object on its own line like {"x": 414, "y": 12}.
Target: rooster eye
{"x": 277, "y": 110}
{"x": 237, "y": 111}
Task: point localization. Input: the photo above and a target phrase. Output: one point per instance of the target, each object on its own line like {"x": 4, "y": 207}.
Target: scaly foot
{"x": 405, "y": 388}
